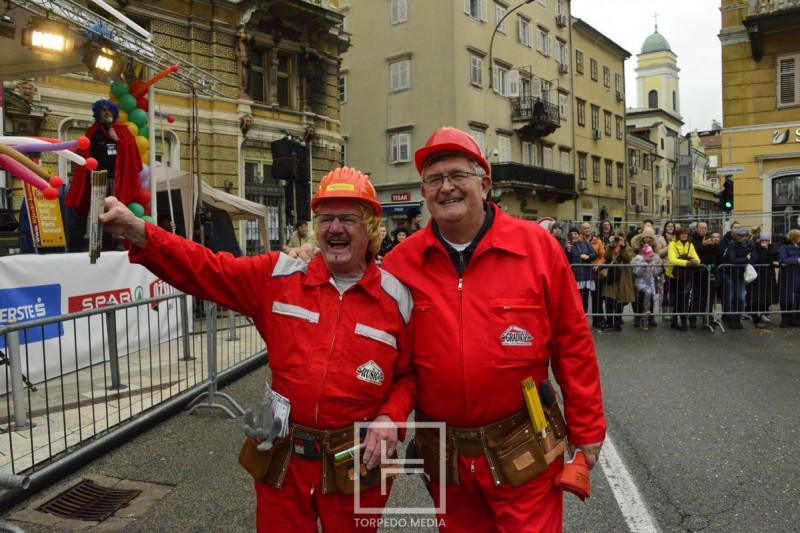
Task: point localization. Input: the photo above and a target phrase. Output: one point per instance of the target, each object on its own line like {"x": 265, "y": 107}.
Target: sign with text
{"x": 401, "y": 197}
{"x": 47, "y": 225}
{"x": 726, "y": 171}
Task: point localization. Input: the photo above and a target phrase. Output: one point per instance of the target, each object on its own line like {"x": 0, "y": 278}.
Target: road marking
{"x": 627, "y": 495}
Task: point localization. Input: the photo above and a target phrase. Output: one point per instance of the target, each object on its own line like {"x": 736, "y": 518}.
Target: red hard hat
{"x": 348, "y": 184}
{"x": 449, "y": 139}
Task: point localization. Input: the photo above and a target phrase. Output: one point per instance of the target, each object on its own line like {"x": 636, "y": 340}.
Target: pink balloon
{"x": 23, "y": 173}
{"x": 27, "y": 148}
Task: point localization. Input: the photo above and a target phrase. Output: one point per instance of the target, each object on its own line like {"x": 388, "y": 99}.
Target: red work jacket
{"x": 515, "y": 310}
{"x": 339, "y": 359}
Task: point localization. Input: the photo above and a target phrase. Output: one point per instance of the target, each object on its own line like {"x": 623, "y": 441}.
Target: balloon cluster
{"x": 12, "y": 159}
{"x": 132, "y": 101}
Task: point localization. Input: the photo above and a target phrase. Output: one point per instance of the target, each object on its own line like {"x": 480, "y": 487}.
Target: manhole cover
{"x": 88, "y": 501}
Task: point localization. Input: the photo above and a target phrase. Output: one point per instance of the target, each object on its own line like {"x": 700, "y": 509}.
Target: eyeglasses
{"x": 456, "y": 178}
{"x": 348, "y": 221}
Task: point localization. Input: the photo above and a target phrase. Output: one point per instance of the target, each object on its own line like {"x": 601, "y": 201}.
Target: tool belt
{"x": 515, "y": 452}
{"x": 310, "y": 444}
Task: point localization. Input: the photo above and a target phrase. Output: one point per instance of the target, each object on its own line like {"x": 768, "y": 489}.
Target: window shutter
{"x": 468, "y": 7}
{"x": 495, "y": 78}
{"x": 483, "y": 12}
{"x": 405, "y": 78}
{"x": 536, "y": 88}
{"x": 394, "y": 81}
{"x": 475, "y": 70}
{"x": 513, "y": 83}
{"x": 405, "y": 141}
{"x": 787, "y": 74}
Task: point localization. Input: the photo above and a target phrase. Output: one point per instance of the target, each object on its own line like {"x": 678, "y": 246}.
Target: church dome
{"x": 655, "y": 43}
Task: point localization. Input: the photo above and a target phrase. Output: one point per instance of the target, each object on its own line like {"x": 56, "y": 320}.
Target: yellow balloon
{"x": 123, "y": 116}
{"x": 145, "y": 158}
{"x": 114, "y": 99}
{"x": 142, "y": 144}
{"x": 134, "y": 129}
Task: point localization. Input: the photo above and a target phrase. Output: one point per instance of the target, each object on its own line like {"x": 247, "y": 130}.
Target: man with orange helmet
{"x": 336, "y": 331}
{"x": 495, "y": 302}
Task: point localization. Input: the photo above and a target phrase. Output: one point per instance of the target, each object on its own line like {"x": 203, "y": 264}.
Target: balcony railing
{"x": 533, "y": 117}
{"x": 561, "y": 184}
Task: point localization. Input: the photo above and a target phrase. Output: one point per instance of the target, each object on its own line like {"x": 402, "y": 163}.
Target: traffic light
{"x": 726, "y": 195}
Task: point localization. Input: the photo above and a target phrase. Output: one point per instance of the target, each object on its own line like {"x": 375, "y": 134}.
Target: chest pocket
{"x": 520, "y": 330}
{"x": 295, "y": 322}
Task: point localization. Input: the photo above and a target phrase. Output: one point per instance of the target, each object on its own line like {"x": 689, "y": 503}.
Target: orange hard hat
{"x": 450, "y": 139}
{"x": 347, "y": 183}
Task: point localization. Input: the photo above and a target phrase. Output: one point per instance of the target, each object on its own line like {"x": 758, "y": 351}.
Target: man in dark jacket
{"x": 580, "y": 254}
{"x": 737, "y": 255}
{"x": 706, "y": 249}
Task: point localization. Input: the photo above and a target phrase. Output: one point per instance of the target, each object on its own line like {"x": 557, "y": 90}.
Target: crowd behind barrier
{"x": 52, "y": 424}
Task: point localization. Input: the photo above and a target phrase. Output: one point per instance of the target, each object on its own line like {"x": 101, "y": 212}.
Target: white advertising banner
{"x": 40, "y": 286}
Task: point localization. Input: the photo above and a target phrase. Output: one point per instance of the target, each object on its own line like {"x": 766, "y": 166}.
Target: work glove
{"x": 263, "y": 429}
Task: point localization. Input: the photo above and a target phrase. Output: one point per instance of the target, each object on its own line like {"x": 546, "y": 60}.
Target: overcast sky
{"x": 690, "y": 27}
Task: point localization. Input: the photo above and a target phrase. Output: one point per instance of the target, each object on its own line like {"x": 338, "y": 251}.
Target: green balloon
{"x": 127, "y": 102}
{"x": 144, "y": 131}
{"x": 137, "y": 209}
{"x": 120, "y": 89}
{"x": 148, "y": 218}
{"x": 138, "y": 117}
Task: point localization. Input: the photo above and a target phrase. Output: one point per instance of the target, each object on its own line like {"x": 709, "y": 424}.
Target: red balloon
{"x": 56, "y": 182}
{"x": 142, "y": 196}
{"x": 91, "y": 163}
{"x": 147, "y": 211}
{"x": 138, "y": 88}
{"x": 83, "y": 142}
{"x": 50, "y": 193}
{"x": 141, "y": 103}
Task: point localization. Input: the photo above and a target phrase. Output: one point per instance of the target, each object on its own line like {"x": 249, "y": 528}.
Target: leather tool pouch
{"x": 428, "y": 447}
{"x": 340, "y": 476}
{"x": 267, "y": 467}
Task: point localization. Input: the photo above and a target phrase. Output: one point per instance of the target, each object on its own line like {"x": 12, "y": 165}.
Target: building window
{"x": 645, "y": 161}
{"x": 581, "y": 112}
{"x": 480, "y": 138}
{"x": 606, "y": 77}
{"x": 543, "y": 42}
{"x": 261, "y": 89}
{"x": 618, "y": 120}
{"x": 563, "y": 54}
{"x": 607, "y": 123}
{"x": 547, "y": 157}
{"x": 620, "y": 175}
{"x": 618, "y": 83}
{"x": 475, "y": 71}
{"x": 400, "y": 147}
{"x": 609, "y": 172}
{"x": 595, "y": 117}
{"x": 342, "y": 89}
{"x": 499, "y": 13}
{"x": 560, "y": 7}
{"x": 633, "y": 193}
{"x": 595, "y": 169}
{"x": 562, "y": 106}
{"x": 788, "y": 82}
{"x": 593, "y": 69}
{"x": 284, "y": 66}
{"x": 565, "y": 161}
{"x": 258, "y": 76}
{"x": 582, "y": 166}
{"x": 543, "y": 3}
{"x": 400, "y": 75}
{"x": 502, "y": 80}
{"x": 475, "y": 9}
{"x": 399, "y": 11}
{"x": 524, "y": 32}
{"x": 578, "y": 61}
{"x": 652, "y": 99}
{"x": 645, "y": 197}
{"x": 504, "y": 148}
{"x": 529, "y": 154}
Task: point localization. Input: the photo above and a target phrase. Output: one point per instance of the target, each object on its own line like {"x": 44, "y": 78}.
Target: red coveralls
{"x": 469, "y": 376}
{"x": 317, "y": 341}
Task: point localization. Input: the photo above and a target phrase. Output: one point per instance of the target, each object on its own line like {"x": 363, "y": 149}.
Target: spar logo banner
{"x": 23, "y": 304}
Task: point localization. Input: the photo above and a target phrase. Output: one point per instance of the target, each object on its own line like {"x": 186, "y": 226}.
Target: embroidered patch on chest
{"x": 516, "y": 336}
{"x": 370, "y": 372}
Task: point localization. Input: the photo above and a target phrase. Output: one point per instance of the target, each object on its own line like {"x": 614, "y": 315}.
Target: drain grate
{"x": 88, "y": 501}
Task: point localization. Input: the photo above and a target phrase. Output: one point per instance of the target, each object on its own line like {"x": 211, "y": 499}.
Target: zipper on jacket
{"x": 461, "y": 268}
{"x": 330, "y": 351}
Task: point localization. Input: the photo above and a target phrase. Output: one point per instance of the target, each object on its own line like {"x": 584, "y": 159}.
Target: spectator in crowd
{"x": 701, "y": 241}
{"x": 493, "y": 299}
{"x": 737, "y": 254}
{"x": 413, "y": 221}
{"x": 581, "y": 255}
{"x": 597, "y": 272}
{"x": 637, "y": 230}
{"x": 301, "y": 235}
{"x": 789, "y": 285}
{"x": 646, "y": 271}
{"x": 667, "y": 289}
{"x": 619, "y": 285}
{"x": 400, "y": 235}
{"x": 648, "y": 274}
{"x": 760, "y": 291}
{"x": 355, "y": 363}
{"x": 729, "y": 237}
{"x": 386, "y": 244}
{"x": 605, "y": 232}
{"x": 682, "y": 258}
{"x": 556, "y": 229}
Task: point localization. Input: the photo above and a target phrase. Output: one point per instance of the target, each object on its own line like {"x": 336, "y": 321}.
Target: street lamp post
{"x": 491, "y": 43}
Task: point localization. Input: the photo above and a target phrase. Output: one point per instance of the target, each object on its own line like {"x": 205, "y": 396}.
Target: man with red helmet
{"x": 494, "y": 303}
{"x": 337, "y": 336}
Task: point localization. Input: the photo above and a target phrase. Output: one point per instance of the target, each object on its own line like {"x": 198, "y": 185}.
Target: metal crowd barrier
{"x": 50, "y": 427}
{"x": 712, "y": 297}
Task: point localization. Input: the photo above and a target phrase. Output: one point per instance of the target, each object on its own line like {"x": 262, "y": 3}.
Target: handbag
{"x": 750, "y": 273}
